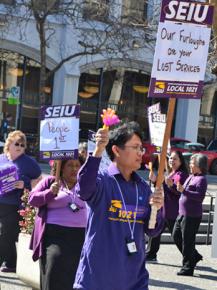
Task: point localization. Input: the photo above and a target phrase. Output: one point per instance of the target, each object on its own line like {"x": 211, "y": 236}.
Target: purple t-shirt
{"x": 190, "y": 202}
{"x": 171, "y": 195}
{"x": 27, "y": 169}
{"x": 105, "y": 263}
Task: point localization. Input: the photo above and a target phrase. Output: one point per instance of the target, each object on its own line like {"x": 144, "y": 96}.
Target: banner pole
{"x": 160, "y": 175}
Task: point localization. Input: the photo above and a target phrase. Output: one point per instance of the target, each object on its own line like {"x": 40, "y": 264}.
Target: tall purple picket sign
{"x": 181, "y": 50}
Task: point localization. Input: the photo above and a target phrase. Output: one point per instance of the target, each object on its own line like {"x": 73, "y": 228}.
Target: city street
{"x": 163, "y": 273}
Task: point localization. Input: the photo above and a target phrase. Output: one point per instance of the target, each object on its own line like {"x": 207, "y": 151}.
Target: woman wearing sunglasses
{"x": 29, "y": 174}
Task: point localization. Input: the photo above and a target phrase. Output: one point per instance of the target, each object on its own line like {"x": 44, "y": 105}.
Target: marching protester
{"x": 190, "y": 213}
{"x": 29, "y": 173}
{"x": 113, "y": 255}
{"x": 178, "y": 174}
{"x": 82, "y": 149}
{"x": 59, "y": 230}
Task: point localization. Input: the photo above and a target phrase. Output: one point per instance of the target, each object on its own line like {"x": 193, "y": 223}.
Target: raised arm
{"x": 88, "y": 178}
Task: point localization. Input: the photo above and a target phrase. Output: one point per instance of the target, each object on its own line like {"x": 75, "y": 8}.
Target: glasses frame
{"x": 137, "y": 148}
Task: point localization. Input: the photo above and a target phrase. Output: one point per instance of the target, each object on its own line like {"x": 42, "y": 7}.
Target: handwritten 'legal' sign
{"x": 59, "y": 132}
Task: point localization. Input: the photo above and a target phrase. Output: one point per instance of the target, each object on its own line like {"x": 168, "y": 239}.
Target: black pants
{"x": 9, "y": 231}
{"x": 61, "y": 253}
{"x": 154, "y": 242}
{"x": 184, "y": 235}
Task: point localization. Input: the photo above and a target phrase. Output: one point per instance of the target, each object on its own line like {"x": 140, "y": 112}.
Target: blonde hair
{"x": 10, "y": 139}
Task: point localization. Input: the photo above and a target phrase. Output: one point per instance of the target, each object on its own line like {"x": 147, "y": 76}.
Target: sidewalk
{"x": 163, "y": 273}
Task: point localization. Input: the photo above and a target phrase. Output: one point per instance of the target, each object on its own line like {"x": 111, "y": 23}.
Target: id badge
{"x": 131, "y": 246}
{"x": 74, "y": 207}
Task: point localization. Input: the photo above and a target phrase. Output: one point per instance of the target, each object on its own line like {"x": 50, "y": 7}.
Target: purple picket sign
{"x": 8, "y": 176}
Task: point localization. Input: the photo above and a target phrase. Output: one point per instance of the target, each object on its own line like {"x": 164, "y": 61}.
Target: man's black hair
{"x": 120, "y": 135}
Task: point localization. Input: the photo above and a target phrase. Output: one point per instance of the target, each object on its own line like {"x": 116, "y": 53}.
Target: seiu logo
{"x": 187, "y": 11}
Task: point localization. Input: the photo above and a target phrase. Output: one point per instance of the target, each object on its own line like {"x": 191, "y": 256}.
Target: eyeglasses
{"x": 137, "y": 148}
{"x": 19, "y": 145}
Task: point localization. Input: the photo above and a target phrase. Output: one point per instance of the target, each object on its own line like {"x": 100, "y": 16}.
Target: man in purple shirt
{"x": 113, "y": 255}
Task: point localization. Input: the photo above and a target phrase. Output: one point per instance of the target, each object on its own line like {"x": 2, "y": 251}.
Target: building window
{"x": 12, "y": 75}
{"x": 96, "y": 10}
{"x": 134, "y": 12}
{"x": 7, "y": 2}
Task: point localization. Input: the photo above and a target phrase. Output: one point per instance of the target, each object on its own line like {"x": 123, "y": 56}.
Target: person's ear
{"x": 115, "y": 151}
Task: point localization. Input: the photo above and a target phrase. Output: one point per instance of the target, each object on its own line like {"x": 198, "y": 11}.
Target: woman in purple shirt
{"x": 29, "y": 173}
{"x": 178, "y": 174}
{"x": 59, "y": 227}
{"x": 190, "y": 213}
{"x": 113, "y": 255}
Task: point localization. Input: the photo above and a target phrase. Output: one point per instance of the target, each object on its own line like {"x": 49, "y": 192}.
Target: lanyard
{"x": 122, "y": 197}
{"x": 69, "y": 192}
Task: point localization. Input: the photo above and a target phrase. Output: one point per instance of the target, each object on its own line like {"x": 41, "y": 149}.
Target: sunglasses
{"x": 19, "y": 144}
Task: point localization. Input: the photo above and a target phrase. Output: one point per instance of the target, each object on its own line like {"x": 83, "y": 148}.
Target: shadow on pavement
{"x": 2, "y": 278}
{"x": 207, "y": 269}
{"x": 172, "y": 285}
{"x": 164, "y": 264}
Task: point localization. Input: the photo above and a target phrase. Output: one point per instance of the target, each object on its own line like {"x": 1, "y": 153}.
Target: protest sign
{"x": 157, "y": 125}
{"x": 8, "y": 177}
{"x": 59, "y": 132}
{"x": 181, "y": 50}
{"x": 179, "y": 62}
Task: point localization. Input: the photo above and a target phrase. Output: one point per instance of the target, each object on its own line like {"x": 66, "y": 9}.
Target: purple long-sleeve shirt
{"x": 54, "y": 210}
{"x": 190, "y": 202}
{"x": 105, "y": 262}
{"x": 171, "y": 199}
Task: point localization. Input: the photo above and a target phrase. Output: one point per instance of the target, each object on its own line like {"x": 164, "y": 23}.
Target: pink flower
{"x": 22, "y": 212}
{"x": 51, "y": 163}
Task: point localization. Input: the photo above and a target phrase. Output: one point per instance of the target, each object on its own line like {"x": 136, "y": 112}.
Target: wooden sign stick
{"x": 160, "y": 176}
{"x": 58, "y": 166}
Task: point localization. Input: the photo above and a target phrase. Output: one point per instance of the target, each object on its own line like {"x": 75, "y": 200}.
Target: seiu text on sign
{"x": 187, "y": 11}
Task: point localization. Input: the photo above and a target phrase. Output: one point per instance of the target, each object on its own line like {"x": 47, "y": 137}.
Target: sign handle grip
{"x": 57, "y": 177}
{"x": 160, "y": 175}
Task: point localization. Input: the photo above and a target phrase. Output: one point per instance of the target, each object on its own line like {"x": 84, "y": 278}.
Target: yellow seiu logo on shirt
{"x": 119, "y": 213}
{"x": 115, "y": 205}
